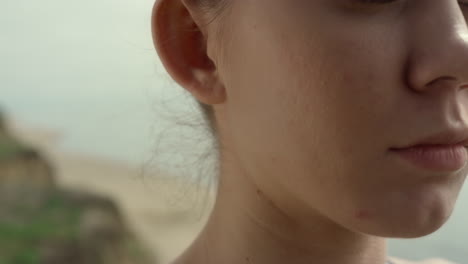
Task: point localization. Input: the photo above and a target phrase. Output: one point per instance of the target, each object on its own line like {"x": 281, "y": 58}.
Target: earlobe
{"x": 182, "y": 48}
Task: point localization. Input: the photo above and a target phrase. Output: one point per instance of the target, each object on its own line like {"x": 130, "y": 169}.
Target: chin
{"x": 404, "y": 223}
{"x": 397, "y": 217}
{"x": 414, "y": 231}
{"x": 399, "y": 229}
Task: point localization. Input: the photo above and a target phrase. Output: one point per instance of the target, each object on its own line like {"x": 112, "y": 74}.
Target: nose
{"x": 438, "y": 36}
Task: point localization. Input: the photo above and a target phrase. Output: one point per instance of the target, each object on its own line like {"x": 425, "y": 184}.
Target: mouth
{"x": 442, "y": 152}
{"x": 444, "y": 138}
{"x": 436, "y": 158}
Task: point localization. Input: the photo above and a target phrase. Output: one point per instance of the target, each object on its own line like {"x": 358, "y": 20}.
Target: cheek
{"x": 307, "y": 101}
{"x": 306, "y": 95}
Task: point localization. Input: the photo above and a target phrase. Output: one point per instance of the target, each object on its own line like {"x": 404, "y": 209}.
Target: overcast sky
{"x": 85, "y": 68}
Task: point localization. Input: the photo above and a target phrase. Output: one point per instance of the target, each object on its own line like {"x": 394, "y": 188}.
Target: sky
{"x": 87, "y": 69}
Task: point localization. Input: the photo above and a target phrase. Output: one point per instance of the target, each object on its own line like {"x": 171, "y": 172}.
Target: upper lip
{"x": 447, "y": 137}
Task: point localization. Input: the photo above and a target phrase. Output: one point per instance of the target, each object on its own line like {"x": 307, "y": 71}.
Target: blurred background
{"x": 84, "y": 101}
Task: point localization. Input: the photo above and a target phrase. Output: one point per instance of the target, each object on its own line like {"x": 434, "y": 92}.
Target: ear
{"x": 182, "y": 48}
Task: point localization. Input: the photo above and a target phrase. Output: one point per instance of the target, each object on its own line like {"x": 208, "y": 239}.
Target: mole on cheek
{"x": 363, "y": 214}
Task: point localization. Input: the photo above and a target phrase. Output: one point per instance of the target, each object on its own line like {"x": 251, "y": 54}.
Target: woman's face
{"x": 318, "y": 92}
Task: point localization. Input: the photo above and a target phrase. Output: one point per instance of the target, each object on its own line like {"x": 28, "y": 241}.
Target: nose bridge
{"x": 439, "y": 45}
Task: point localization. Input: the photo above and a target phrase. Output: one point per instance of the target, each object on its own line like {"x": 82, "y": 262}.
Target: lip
{"x": 446, "y": 137}
{"x": 435, "y": 157}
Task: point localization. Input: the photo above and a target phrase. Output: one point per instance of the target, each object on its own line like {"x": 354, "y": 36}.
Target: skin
{"x": 309, "y": 98}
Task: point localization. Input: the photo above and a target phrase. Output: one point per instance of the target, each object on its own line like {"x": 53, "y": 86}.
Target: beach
{"x": 160, "y": 209}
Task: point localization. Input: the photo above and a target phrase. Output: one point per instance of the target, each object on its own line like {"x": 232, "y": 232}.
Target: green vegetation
{"x": 23, "y": 230}
{"x": 136, "y": 251}
{"x": 10, "y": 147}
{"x": 51, "y": 225}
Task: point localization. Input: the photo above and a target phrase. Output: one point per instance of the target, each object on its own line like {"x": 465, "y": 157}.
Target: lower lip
{"x": 443, "y": 158}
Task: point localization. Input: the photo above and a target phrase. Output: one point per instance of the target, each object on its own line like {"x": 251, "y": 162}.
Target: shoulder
{"x": 425, "y": 261}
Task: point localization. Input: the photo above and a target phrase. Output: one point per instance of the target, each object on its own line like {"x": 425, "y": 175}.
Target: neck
{"x": 247, "y": 227}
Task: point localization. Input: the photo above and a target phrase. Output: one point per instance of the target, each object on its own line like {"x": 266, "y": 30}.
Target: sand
{"x": 153, "y": 205}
